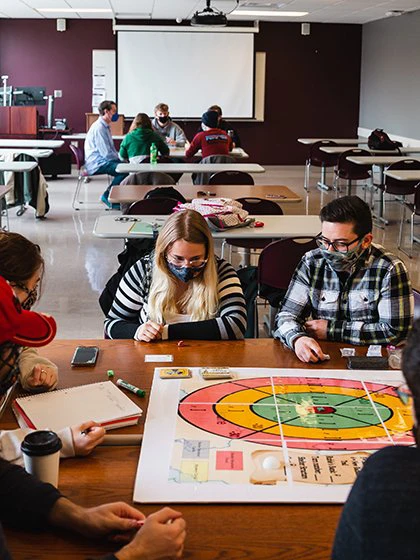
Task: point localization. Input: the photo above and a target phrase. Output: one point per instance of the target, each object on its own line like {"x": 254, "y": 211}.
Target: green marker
{"x": 132, "y": 388}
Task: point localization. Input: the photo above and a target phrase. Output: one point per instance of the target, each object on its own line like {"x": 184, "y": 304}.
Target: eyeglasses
{"x": 340, "y": 246}
{"x": 181, "y": 261}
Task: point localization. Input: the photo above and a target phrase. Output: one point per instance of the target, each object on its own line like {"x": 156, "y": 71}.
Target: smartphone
{"x": 85, "y": 356}
{"x": 367, "y": 362}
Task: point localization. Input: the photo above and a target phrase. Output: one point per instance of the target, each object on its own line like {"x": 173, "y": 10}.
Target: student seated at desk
{"x": 181, "y": 291}
{"x": 38, "y": 333}
{"x": 31, "y": 504}
{"x": 380, "y": 518}
{"x": 226, "y": 126}
{"x": 136, "y": 145}
{"x": 348, "y": 290}
{"x": 163, "y": 125}
{"x": 212, "y": 140}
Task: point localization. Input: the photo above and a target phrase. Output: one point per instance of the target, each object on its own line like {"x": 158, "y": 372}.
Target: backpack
{"x": 165, "y": 192}
{"x": 379, "y": 140}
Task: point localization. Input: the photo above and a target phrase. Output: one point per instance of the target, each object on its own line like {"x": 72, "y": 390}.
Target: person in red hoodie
{"x": 212, "y": 140}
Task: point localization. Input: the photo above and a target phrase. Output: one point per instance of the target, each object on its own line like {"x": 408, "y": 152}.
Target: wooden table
{"x": 257, "y": 532}
{"x": 189, "y": 167}
{"x": 275, "y": 227}
{"x": 277, "y": 193}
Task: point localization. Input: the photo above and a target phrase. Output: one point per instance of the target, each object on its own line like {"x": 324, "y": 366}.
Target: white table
{"x": 404, "y": 174}
{"x": 18, "y": 166}
{"x": 112, "y": 227}
{"x": 347, "y": 141}
{"x": 32, "y": 143}
{"x": 189, "y": 167}
{"x": 341, "y": 149}
{"x": 37, "y": 153}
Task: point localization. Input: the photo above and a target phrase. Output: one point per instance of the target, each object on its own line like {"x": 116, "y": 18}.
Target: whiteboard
{"x": 187, "y": 71}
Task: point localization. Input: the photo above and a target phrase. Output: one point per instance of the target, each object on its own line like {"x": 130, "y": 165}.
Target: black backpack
{"x": 379, "y": 140}
{"x": 165, "y": 192}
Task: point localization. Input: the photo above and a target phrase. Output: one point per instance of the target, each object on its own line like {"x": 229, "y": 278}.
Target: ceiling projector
{"x": 209, "y": 17}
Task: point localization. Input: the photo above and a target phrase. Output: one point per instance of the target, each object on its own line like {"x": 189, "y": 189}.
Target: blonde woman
{"x": 181, "y": 291}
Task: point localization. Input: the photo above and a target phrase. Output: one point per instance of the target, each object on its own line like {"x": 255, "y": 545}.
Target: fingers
{"x": 42, "y": 376}
{"x": 166, "y": 515}
{"x": 150, "y": 331}
{"x": 86, "y": 437}
{"x": 308, "y": 350}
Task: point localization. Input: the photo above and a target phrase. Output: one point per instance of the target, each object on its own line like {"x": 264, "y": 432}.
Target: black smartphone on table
{"x": 85, "y": 356}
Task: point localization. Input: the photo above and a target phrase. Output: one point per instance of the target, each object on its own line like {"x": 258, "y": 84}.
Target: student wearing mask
{"x": 349, "y": 290}
{"x": 163, "y": 125}
{"x": 226, "y": 126}
{"x": 212, "y": 140}
{"x": 181, "y": 291}
{"x": 101, "y": 157}
{"x": 136, "y": 145}
{"x": 31, "y": 504}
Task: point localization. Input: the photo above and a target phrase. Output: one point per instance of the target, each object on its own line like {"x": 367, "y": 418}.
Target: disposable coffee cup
{"x": 41, "y": 455}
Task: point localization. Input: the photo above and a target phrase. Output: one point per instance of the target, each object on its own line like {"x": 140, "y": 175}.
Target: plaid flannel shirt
{"x": 374, "y": 305}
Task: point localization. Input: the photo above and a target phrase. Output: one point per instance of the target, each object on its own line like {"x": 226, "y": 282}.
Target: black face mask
{"x": 163, "y": 120}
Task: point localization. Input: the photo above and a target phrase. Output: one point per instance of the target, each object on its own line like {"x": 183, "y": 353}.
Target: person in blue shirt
{"x": 101, "y": 157}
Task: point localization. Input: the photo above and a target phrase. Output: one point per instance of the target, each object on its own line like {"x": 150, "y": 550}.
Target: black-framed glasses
{"x": 339, "y": 246}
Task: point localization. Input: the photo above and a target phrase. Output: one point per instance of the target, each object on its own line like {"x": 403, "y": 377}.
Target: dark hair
{"x": 349, "y": 209}
{"x": 216, "y": 108}
{"x": 411, "y": 365}
{"x": 19, "y": 257}
{"x": 105, "y": 105}
{"x": 141, "y": 120}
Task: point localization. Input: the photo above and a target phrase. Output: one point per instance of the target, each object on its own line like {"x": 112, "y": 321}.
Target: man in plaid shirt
{"x": 348, "y": 290}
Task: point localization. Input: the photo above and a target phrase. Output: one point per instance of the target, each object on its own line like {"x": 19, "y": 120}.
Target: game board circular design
{"x": 304, "y": 412}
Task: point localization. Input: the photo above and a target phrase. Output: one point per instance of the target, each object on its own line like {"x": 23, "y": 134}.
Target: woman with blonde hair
{"x": 181, "y": 290}
{"x": 136, "y": 145}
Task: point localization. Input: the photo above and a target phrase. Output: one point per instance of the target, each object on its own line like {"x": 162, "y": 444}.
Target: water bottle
{"x": 153, "y": 153}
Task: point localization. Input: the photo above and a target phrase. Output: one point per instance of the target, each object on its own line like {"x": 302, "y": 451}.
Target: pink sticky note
{"x": 229, "y": 461}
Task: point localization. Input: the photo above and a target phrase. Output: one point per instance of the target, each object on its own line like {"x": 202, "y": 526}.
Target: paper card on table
{"x": 158, "y": 358}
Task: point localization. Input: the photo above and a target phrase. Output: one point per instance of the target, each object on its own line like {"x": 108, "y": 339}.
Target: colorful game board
{"x": 267, "y": 435}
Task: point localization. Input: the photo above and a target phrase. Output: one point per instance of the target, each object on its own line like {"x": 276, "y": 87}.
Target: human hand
{"x": 317, "y": 328}
{"x": 308, "y": 350}
{"x": 170, "y": 141}
{"x": 42, "y": 377}
{"x": 149, "y": 331}
{"x": 86, "y": 437}
{"x": 161, "y": 537}
{"x": 117, "y": 520}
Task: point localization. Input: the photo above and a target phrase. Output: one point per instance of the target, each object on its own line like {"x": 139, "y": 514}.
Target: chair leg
{"x": 77, "y": 192}
{"x": 256, "y": 326}
{"x": 307, "y": 175}
{"x": 223, "y": 248}
{"x": 401, "y": 227}
{"x": 411, "y": 235}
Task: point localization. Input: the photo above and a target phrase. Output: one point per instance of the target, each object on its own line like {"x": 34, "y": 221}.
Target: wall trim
{"x": 407, "y": 142}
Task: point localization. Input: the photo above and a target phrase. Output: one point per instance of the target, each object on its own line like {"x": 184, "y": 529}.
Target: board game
{"x": 267, "y": 435}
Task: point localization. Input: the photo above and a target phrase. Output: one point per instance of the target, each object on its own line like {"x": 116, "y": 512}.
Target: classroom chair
{"x": 276, "y": 266}
{"x": 398, "y": 188}
{"x": 317, "y": 158}
{"x": 153, "y": 206}
{"x": 350, "y": 171}
{"x": 79, "y": 157}
{"x": 231, "y": 178}
{"x": 204, "y": 178}
{"x": 414, "y": 208}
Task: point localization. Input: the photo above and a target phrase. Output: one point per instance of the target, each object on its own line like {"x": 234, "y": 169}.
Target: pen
{"x": 132, "y": 388}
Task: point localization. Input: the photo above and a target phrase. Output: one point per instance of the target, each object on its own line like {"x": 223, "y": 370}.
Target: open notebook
{"x": 102, "y": 402}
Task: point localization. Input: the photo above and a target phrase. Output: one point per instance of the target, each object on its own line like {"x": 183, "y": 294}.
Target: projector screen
{"x": 188, "y": 71}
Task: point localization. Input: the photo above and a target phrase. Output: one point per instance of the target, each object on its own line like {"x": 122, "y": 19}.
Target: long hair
{"x": 201, "y": 299}
{"x": 141, "y": 120}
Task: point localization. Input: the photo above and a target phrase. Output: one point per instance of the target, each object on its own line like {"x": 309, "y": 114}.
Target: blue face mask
{"x": 185, "y": 273}
{"x": 115, "y": 117}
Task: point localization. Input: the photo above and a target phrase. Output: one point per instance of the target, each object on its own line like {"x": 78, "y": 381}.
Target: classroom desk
{"x": 276, "y": 193}
{"x": 398, "y": 151}
{"x": 32, "y": 143}
{"x": 346, "y": 141}
{"x": 18, "y": 166}
{"x": 404, "y": 174}
{"x": 254, "y": 531}
{"x": 189, "y": 167}
{"x": 275, "y": 227}
{"x": 34, "y": 152}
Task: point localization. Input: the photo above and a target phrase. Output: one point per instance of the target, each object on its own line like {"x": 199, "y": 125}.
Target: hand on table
{"x": 149, "y": 331}
{"x": 42, "y": 377}
{"x": 308, "y": 350}
{"x": 86, "y": 437}
{"x": 161, "y": 537}
{"x": 317, "y": 328}
{"x": 170, "y": 141}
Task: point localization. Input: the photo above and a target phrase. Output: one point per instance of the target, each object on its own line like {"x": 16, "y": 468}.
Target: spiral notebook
{"x": 102, "y": 402}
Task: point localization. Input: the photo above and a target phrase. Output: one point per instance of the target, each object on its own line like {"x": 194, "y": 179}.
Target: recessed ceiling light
{"x": 395, "y": 13}
{"x": 269, "y": 13}
{"x": 76, "y": 10}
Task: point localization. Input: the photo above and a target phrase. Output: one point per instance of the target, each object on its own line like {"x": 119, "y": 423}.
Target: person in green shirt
{"x": 136, "y": 145}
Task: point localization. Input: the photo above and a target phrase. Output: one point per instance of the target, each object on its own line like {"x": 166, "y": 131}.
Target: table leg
{"x": 321, "y": 183}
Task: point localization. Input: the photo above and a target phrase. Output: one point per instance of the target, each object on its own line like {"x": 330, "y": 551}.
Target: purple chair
{"x": 414, "y": 208}
{"x": 350, "y": 171}
{"x": 79, "y": 157}
{"x": 317, "y": 158}
{"x": 231, "y": 178}
{"x": 276, "y": 266}
{"x": 153, "y": 206}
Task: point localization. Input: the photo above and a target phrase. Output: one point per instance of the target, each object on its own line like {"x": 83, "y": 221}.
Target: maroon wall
{"x": 312, "y": 82}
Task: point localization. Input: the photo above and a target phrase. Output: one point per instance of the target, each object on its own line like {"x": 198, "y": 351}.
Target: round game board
{"x": 303, "y": 412}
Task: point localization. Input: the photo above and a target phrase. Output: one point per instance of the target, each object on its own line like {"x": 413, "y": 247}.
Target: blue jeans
{"x": 109, "y": 168}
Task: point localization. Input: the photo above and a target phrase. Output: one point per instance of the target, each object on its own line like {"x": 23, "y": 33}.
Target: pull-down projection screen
{"x": 188, "y": 71}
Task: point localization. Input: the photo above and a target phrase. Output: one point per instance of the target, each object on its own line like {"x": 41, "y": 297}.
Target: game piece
{"x": 180, "y": 343}
{"x": 110, "y": 373}
{"x": 327, "y": 357}
{"x": 158, "y": 358}
{"x": 345, "y": 352}
{"x": 374, "y": 350}
{"x": 270, "y": 462}
{"x": 174, "y": 373}
{"x": 216, "y": 373}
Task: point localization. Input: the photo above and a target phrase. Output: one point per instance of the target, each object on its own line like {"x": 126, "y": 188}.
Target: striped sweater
{"x": 130, "y": 308}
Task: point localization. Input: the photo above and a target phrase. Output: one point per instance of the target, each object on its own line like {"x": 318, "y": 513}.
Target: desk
{"x": 189, "y": 167}
{"x": 18, "y": 166}
{"x": 404, "y": 174}
{"x": 400, "y": 151}
{"x": 257, "y": 532}
{"x": 346, "y": 141}
{"x": 33, "y": 143}
{"x": 278, "y": 193}
{"x": 275, "y": 227}
{"x": 34, "y": 152}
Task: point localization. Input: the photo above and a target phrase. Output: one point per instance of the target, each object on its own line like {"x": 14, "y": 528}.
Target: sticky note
{"x": 158, "y": 358}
